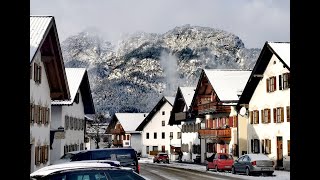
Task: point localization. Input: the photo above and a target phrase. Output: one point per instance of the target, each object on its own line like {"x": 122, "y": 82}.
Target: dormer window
{"x": 76, "y": 99}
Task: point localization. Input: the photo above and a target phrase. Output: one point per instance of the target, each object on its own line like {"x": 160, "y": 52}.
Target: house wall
{"x": 136, "y": 142}
{"x": 71, "y": 136}
{"x": 155, "y": 125}
{"x": 243, "y": 135}
{"x": 262, "y": 99}
{"x": 190, "y": 138}
{"x": 39, "y": 95}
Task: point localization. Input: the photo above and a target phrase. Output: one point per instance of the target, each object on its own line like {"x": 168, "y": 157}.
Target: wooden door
{"x": 279, "y": 152}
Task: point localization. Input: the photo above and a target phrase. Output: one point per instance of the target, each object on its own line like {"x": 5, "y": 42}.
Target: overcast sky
{"x": 254, "y": 21}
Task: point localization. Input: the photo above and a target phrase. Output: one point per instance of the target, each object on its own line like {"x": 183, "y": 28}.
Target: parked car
{"x": 84, "y": 170}
{"x": 126, "y": 156}
{"x": 253, "y": 164}
{"x": 161, "y": 157}
{"x": 220, "y": 161}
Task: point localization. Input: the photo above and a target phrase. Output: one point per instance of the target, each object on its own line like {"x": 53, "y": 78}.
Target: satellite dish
{"x": 243, "y": 111}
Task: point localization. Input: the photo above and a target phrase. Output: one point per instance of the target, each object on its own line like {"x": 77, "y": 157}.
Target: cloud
{"x": 253, "y": 21}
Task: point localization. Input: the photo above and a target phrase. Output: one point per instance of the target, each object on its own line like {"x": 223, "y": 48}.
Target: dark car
{"x": 220, "y": 161}
{"x": 84, "y": 170}
{"x": 161, "y": 157}
{"x": 126, "y": 156}
{"x": 253, "y": 164}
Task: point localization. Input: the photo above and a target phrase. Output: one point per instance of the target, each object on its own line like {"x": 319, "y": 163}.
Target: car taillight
{"x": 138, "y": 167}
{"x": 254, "y": 163}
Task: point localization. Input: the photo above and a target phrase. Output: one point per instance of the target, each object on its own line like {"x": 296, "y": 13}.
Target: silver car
{"x": 253, "y": 164}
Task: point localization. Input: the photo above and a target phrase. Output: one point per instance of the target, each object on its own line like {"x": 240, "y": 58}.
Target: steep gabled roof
{"x": 130, "y": 121}
{"x": 227, "y": 83}
{"x": 183, "y": 98}
{"x": 279, "y": 49}
{"x": 78, "y": 79}
{"x": 44, "y": 38}
{"x": 156, "y": 108}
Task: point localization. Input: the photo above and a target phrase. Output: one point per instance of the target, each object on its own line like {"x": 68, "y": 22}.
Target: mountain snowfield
{"x": 134, "y": 74}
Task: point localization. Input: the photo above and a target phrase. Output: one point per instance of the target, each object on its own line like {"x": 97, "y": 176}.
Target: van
{"x": 126, "y": 156}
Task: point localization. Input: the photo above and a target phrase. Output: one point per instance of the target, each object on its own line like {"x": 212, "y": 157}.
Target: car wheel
{"x": 248, "y": 171}
{"x": 233, "y": 170}
{"x": 217, "y": 170}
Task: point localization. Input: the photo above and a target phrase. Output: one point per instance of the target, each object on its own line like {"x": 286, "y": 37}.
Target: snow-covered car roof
{"x": 68, "y": 166}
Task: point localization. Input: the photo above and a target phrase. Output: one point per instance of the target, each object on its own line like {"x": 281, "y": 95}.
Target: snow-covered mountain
{"x": 134, "y": 74}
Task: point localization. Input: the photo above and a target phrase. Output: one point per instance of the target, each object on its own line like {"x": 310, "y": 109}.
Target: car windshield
{"x": 67, "y": 156}
{"x": 225, "y": 156}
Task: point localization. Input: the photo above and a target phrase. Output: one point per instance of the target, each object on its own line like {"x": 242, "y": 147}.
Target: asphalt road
{"x": 158, "y": 172}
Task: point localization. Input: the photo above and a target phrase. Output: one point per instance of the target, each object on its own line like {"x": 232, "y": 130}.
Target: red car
{"x": 220, "y": 161}
{"x": 161, "y": 157}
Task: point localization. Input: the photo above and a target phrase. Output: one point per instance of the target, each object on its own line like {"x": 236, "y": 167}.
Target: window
{"x": 155, "y": 148}
{"x": 171, "y": 135}
{"x": 147, "y": 149}
{"x": 66, "y": 122}
{"x": 37, "y": 73}
{"x": 288, "y": 113}
{"x": 266, "y": 146}
{"x": 163, "y": 148}
{"x": 163, "y": 112}
{"x": 196, "y": 149}
{"x": 178, "y": 135}
{"x": 155, "y": 135}
{"x": 163, "y": 123}
{"x": 147, "y": 135}
{"x": 185, "y": 147}
{"x": 288, "y": 147}
{"x": 278, "y": 115}
{"x": 271, "y": 84}
{"x": 37, "y": 155}
{"x": 255, "y": 146}
{"x": 256, "y": 117}
{"x": 128, "y": 137}
{"x": 284, "y": 81}
{"x": 163, "y": 135}
{"x": 266, "y": 116}
{"x": 211, "y": 148}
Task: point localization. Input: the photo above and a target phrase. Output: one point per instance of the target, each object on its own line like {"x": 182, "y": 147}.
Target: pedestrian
{"x": 180, "y": 156}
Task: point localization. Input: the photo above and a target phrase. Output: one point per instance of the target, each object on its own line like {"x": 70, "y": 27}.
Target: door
{"x": 279, "y": 152}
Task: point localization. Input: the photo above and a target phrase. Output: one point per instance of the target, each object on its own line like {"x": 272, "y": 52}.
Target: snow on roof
{"x": 188, "y": 93}
{"x": 228, "y": 83}
{"x": 170, "y": 99}
{"x": 65, "y": 166}
{"x": 38, "y": 27}
{"x": 74, "y": 77}
{"x": 130, "y": 121}
{"x": 282, "y": 49}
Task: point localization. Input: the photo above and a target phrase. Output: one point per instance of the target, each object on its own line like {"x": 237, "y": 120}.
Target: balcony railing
{"x": 117, "y": 131}
{"x": 117, "y": 142}
{"x": 213, "y": 107}
{"x": 215, "y": 133}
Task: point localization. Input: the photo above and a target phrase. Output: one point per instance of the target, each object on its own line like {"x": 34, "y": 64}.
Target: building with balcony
{"x": 181, "y": 117}
{"x": 214, "y": 105}
{"x": 122, "y": 129}
{"x": 266, "y": 97}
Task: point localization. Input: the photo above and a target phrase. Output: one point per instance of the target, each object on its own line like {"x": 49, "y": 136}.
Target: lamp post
{"x": 171, "y": 137}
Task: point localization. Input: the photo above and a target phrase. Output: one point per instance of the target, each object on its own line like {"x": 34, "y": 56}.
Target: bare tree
{"x": 98, "y": 121}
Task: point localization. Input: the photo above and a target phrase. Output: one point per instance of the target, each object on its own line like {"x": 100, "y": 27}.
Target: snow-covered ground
{"x": 277, "y": 175}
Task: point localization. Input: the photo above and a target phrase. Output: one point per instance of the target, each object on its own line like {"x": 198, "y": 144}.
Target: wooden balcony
{"x": 117, "y": 142}
{"x": 117, "y": 131}
{"x": 219, "y": 134}
{"x": 213, "y": 108}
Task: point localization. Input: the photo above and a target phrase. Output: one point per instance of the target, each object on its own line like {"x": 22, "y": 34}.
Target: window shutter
{"x": 257, "y": 111}
{"x": 269, "y": 145}
{"x": 35, "y": 70}
{"x": 31, "y": 113}
{"x": 41, "y": 154}
{"x": 268, "y": 82}
{"x": 288, "y": 113}
{"x": 40, "y": 74}
{"x": 262, "y": 146}
{"x": 31, "y": 71}
{"x": 36, "y": 156}
{"x": 48, "y": 115}
{"x": 262, "y": 116}
{"x": 288, "y": 74}
{"x": 269, "y": 115}
{"x": 47, "y": 153}
{"x": 274, "y": 83}
{"x": 280, "y": 82}
{"x": 36, "y": 113}
{"x": 275, "y": 115}
{"x": 252, "y": 146}
{"x": 282, "y": 114}
{"x": 251, "y": 117}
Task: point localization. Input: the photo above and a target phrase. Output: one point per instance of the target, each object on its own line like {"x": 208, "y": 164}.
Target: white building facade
{"x": 157, "y": 134}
